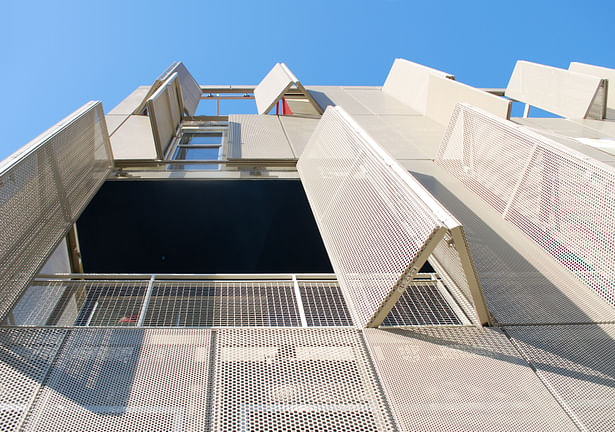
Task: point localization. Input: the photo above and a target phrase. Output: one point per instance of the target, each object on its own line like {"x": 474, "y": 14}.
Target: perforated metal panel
{"x": 128, "y": 380}
{"x": 576, "y": 364}
{"x": 254, "y": 136}
{"x": 26, "y": 356}
{"x": 600, "y": 72}
{"x": 561, "y": 199}
{"x": 43, "y": 188}
{"x": 295, "y": 379}
{"x": 272, "y": 87}
{"x": 443, "y": 94}
{"x": 461, "y": 379}
{"x": 190, "y": 89}
{"x": 165, "y": 110}
{"x": 275, "y": 84}
{"x": 409, "y": 82}
{"x": 562, "y": 92}
{"x": 378, "y": 223}
{"x": 379, "y": 102}
{"x": 235, "y": 304}
{"x": 298, "y": 130}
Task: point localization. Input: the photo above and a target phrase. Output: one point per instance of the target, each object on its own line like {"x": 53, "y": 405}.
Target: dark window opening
{"x": 205, "y": 227}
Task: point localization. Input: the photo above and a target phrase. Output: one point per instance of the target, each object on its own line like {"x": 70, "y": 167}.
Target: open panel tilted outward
{"x": 165, "y": 108}
{"x": 190, "y": 89}
{"x": 43, "y": 189}
{"x": 563, "y": 92}
{"x": 378, "y": 224}
{"x": 274, "y": 87}
{"x": 561, "y": 199}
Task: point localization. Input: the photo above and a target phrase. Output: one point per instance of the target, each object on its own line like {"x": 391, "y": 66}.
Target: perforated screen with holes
{"x": 373, "y": 224}
{"x": 460, "y": 379}
{"x": 26, "y": 355}
{"x": 576, "y": 363}
{"x": 127, "y": 380}
{"x": 43, "y": 192}
{"x": 559, "y": 198}
{"x": 295, "y": 379}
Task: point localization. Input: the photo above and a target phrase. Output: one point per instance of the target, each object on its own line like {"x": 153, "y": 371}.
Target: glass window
{"x": 202, "y": 138}
{"x": 199, "y": 145}
{"x": 187, "y": 153}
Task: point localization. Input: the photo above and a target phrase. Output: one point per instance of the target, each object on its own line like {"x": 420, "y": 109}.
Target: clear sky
{"x": 57, "y": 55}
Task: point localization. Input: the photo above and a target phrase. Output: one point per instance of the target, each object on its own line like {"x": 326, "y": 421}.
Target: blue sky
{"x": 58, "y": 55}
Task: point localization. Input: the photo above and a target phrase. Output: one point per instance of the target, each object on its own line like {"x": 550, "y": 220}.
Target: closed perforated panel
{"x": 461, "y": 379}
{"x": 295, "y": 379}
{"x": 254, "y": 136}
{"x": 43, "y": 189}
{"x": 127, "y": 380}
{"x": 561, "y": 199}
{"x": 576, "y": 364}
{"x": 26, "y": 356}
{"x": 377, "y": 222}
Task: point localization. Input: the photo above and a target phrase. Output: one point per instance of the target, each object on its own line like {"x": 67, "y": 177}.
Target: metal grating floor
{"x": 324, "y": 304}
{"x": 223, "y": 304}
{"x": 422, "y": 304}
{"x": 217, "y": 303}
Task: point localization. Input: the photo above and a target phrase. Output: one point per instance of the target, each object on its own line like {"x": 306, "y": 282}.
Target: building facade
{"x": 398, "y": 257}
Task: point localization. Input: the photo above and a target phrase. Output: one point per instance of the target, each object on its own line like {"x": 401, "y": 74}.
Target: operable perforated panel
{"x": 165, "y": 110}
{"x": 600, "y": 72}
{"x": 576, "y": 363}
{"x": 275, "y": 84}
{"x": 272, "y": 87}
{"x": 127, "y": 380}
{"x": 461, "y": 379}
{"x": 26, "y": 356}
{"x": 377, "y": 222}
{"x": 562, "y": 92}
{"x": 561, "y": 199}
{"x": 43, "y": 189}
{"x": 295, "y": 379}
{"x": 409, "y": 82}
{"x": 223, "y": 303}
{"x": 190, "y": 89}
